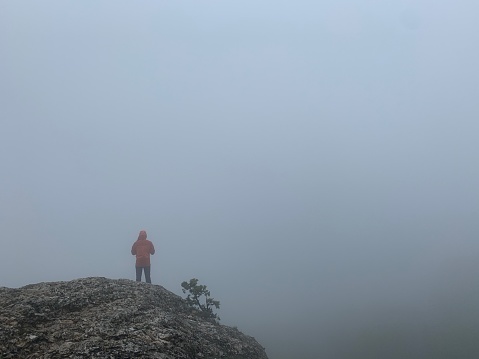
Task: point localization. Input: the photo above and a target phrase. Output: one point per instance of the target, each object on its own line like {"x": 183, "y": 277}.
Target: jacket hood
{"x": 142, "y": 235}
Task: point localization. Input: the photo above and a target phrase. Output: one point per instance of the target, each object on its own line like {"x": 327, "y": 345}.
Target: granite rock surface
{"x": 106, "y": 318}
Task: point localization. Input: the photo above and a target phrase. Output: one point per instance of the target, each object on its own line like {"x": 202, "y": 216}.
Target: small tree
{"x": 194, "y": 299}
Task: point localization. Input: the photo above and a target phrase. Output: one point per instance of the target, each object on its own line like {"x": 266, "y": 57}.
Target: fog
{"x": 313, "y": 163}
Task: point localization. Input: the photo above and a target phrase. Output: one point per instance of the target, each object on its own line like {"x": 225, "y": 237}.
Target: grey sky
{"x": 313, "y": 163}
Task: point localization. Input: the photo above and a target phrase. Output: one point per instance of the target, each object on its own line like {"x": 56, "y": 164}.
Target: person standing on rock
{"x": 142, "y": 249}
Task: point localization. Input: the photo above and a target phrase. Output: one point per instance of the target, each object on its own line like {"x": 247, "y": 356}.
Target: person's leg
{"x": 147, "y": 274}
{"x": 138, "y": 273}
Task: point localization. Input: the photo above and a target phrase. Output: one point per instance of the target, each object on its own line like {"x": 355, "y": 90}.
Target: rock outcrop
{"x": 106, "y": 318}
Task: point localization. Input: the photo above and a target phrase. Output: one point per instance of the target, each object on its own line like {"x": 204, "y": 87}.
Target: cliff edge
{"x": 106, "y": 318}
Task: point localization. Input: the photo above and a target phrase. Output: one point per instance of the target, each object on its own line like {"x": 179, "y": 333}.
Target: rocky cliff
{"x": 105, "y": 318}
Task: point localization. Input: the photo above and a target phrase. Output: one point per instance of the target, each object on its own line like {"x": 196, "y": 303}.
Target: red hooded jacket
{"x": 142, "y": 248}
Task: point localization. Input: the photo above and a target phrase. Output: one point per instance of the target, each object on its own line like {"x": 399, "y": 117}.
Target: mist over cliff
{"x": 314, "y": 163}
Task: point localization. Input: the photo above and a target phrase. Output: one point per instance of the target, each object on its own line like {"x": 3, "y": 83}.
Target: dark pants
{"x": 147, "y": 274}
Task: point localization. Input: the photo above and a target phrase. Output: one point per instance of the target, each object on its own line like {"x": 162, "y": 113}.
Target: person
{"x": 142, "y": 248}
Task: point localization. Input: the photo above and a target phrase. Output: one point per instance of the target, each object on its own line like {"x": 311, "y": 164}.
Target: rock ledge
{"x": 106, "y": 318}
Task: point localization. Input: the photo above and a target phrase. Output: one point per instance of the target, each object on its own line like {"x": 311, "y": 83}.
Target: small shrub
{"x": 199, "y": 298}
